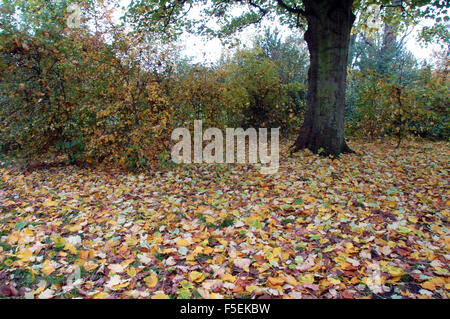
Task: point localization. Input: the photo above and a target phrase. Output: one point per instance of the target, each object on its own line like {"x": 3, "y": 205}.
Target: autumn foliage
{"x": 92, "y": 206}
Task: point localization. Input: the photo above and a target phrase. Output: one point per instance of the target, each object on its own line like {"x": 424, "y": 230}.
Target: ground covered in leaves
{"x": 372, "y": 224}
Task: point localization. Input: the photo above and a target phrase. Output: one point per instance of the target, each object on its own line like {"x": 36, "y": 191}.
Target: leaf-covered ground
{"x": 373, "y": 224}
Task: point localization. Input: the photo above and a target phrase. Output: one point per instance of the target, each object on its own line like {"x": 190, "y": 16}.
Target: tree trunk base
{"x": 347, "y": 149}
{"x": 303, "y": 142}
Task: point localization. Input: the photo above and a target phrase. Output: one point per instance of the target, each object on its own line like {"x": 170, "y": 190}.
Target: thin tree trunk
{"x": 389, "y": 40}
{"x": 328, "y": 37}
{"x": 389, "y": 36}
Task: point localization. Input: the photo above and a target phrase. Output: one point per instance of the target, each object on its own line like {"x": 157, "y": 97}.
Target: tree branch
{"x": 263, "y": 11}
{"x": 396, "y": 4}
{"x": 291, "y": 9}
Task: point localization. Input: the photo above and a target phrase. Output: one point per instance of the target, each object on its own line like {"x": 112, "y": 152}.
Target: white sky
{"x": 203, "y": 50}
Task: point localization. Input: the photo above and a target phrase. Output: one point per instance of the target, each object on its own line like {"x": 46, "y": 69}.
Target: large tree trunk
{"x": 328, "y": 37}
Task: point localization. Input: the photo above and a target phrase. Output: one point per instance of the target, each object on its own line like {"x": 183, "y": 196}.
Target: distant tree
{"x": 391, "y": 93}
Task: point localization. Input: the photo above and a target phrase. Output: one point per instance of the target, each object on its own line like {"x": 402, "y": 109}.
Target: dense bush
{"x": 90, "y": 96}
{"x": 201, "y": 93}
{"x": 268, "y": 101}
{"x": 390, "y": 94}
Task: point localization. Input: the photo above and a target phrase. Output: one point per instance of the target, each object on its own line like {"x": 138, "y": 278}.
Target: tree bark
{"x": 389, "y": 37}
{"x": 328, "y": 37}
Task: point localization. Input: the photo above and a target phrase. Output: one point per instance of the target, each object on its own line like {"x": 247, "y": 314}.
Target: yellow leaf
{"x": 151, "y": 281}
{"x": 183, "y": 243}
{"x": 196, "y": 276}
{"x": 285, "y": 255}
{"x": 131, "y": 241}
{"x": 250, "y": 289}
{"x": 349, "y": 247}
{"x": 413, "y": 219}
{"x": 59, "y": 241}
{"x": 70, "y": 247}
{"x": 190, "y": 257}
{"x": 438, "y": 281}
{"x": 229, "y": 278}
{"x": 24, "y": 255}
{"x": 50, "y": 203}
{"x": 334, "y": 281}
{"x": 210, "y": 220}
{"x": 13, "y": 238}
{"x": 428, "y": 285}
{"x": 100, "y": 295}
{"x": 223, "y": 242}
{"x": 47, "y": 268}
{"x": 392, "y": 204}
{"x": 39, "y": 290}
{"x": 395, "y": 271}
{"x": 253, "y": 218}
{"x": 306, "y": 279}
{"x": 277, "y": 252}
{"x": 74, "y": 228}
{"x": 90, "y": 265}
{"x": 131, "y": 271}
{"x": 275, "y": 281}
{"x": 433, "y": 283}
{"x": 160, "y": 295}
{"x": 264, "y": 267}
{"x": 291, "y": 280}
{"x": 198, "y": 250}
{"x": 120, "y": 286}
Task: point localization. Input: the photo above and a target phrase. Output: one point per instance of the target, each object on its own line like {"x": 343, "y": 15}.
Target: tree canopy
{"x": 223, "y": 18}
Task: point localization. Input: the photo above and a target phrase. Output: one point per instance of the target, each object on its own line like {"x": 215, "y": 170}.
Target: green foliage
{"x": 289, "y": 55}
{"x": 202, "y": 93}
{"x": 171, "y": 16}
{"x": 258, "y": 76}
{"x": 269, "y": 102}
{"x": 390, "y": 94}
{"x": 74, "y": 149}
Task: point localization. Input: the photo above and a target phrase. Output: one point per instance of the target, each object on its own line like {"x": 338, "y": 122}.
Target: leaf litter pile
{"x": 370, "y": 225}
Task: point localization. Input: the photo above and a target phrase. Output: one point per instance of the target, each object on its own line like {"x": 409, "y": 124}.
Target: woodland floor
{"x": 372, "y": 224}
